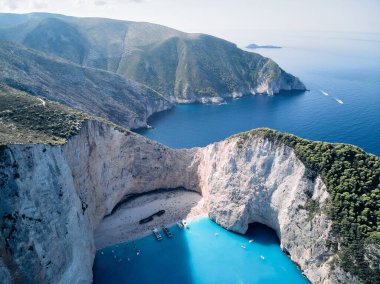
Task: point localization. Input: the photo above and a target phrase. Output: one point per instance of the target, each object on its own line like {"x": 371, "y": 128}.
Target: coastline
{"x": 123, "y": 225}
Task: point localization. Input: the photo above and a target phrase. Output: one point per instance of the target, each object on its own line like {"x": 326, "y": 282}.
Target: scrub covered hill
{"x": 26, "y": 119}
{"x": 183, "y": 67}
{"x": 94, "y": 91}
{"x": 352, "y": 177}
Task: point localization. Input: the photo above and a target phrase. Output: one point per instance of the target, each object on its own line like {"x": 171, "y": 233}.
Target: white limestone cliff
{"x": 261, "y": 181}
{"x": 53, "y": 197}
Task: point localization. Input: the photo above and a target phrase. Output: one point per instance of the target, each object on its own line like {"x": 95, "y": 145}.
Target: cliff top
{"x": 29, "y": 119}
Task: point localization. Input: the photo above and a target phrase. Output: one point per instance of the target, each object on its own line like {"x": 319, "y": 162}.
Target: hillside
{"x": 352, "y": 177}
{"x": 26, "y": 119}
{"x": 94, "y": 91}
{"x": 184, "y": 67}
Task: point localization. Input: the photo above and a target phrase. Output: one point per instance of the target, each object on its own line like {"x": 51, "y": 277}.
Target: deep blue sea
{"x": 342, "y": 71}
{"x": 203, "y": 254}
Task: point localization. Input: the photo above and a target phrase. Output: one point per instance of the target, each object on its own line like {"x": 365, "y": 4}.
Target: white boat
{"x": 262, "y": 257}
{"x": 185, "y": 224}
{"x": 250, "y": 241}
{"x": 157, "y": 234}
{"x": 179, "y": 224}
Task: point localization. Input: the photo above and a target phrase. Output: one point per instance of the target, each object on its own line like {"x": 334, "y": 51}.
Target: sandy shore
{"x": 123, "y": 225}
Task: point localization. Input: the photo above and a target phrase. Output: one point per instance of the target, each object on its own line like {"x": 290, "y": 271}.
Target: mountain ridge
{"x": 209, "y": 68}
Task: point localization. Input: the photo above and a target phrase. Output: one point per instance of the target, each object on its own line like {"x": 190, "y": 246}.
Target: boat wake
{"x": 327, "y": 94}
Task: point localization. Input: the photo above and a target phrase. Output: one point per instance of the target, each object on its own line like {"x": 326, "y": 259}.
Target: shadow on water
{"x": 262, "y": 234}
{"x": 163, "y": 261}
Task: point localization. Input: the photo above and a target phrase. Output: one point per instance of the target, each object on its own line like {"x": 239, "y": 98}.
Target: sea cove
{"x": 205, "y": 253}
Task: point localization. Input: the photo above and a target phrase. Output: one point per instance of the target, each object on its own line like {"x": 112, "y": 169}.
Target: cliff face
{"x": 53, "y": 197}
{"x": 259, "y": 181}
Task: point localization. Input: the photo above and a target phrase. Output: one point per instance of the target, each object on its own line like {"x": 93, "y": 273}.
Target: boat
{"x": 262, "y": 257}
{"x": 179, "y": 224}
{"x": 167, "y": 232}
{"x": 146, "y": 220}
{"x": 250, "y": 241}
{"x": 150, "y": 218}
{"x": 159, "y": 213}
{"x": 157, "y": 234}
{"x": 185, "y": 224}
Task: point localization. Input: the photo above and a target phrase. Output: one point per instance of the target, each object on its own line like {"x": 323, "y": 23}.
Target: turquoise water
{"x": 345, "y": 66}
{"x": 198, "y": 256}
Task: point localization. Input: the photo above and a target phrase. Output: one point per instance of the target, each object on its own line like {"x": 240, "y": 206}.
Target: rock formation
{"x": 53, "y": 197}
{"x": 266, "y": 183}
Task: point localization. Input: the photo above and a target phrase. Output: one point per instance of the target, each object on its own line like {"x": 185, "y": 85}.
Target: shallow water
{"x": 342, "y": 71}
{"x": 346, "y": 67}
{"x": 206, "y": 253}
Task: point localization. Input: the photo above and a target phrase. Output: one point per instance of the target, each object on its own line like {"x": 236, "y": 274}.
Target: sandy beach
{"x": 123, "y": 225}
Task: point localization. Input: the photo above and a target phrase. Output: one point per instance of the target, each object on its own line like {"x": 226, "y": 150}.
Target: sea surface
{"x": 205, "y": 253}
{"x": 342, "y": 72}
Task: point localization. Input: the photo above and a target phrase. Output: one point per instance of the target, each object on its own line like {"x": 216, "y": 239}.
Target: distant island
{"x": 254, "y": 46}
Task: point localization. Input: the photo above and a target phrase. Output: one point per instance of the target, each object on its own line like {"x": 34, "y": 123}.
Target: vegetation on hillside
{"x": 200, "y": 66}
{"x": 353, "y": 180}
{"x": 27, "y": 119}
{"x": 98, "y": 92}
{"x": 173, "y": 63}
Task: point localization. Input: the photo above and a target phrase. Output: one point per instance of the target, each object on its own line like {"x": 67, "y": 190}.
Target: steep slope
{"x": 94, "y": 91}
{"x": 59, "y": 38}
{"x": 53, "y": 197}
{"x": 184, "y": 67}
{"x": 322, "y": 199}
{"x": 204, "y": 68}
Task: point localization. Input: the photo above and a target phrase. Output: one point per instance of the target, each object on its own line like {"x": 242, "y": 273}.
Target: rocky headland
{"x": 125, "y": 71}
{"x": 55, "y": 196}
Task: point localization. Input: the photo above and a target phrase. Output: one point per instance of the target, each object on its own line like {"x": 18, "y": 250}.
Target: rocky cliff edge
{"x": 53, "y": 197}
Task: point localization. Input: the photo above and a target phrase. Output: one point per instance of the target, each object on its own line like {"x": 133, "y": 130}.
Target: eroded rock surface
{"x": 261, "y": 181}
{"x": 53, "y": 198}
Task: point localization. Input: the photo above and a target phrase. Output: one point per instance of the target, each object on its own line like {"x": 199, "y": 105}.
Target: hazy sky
{"x": 222, "y": 15}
